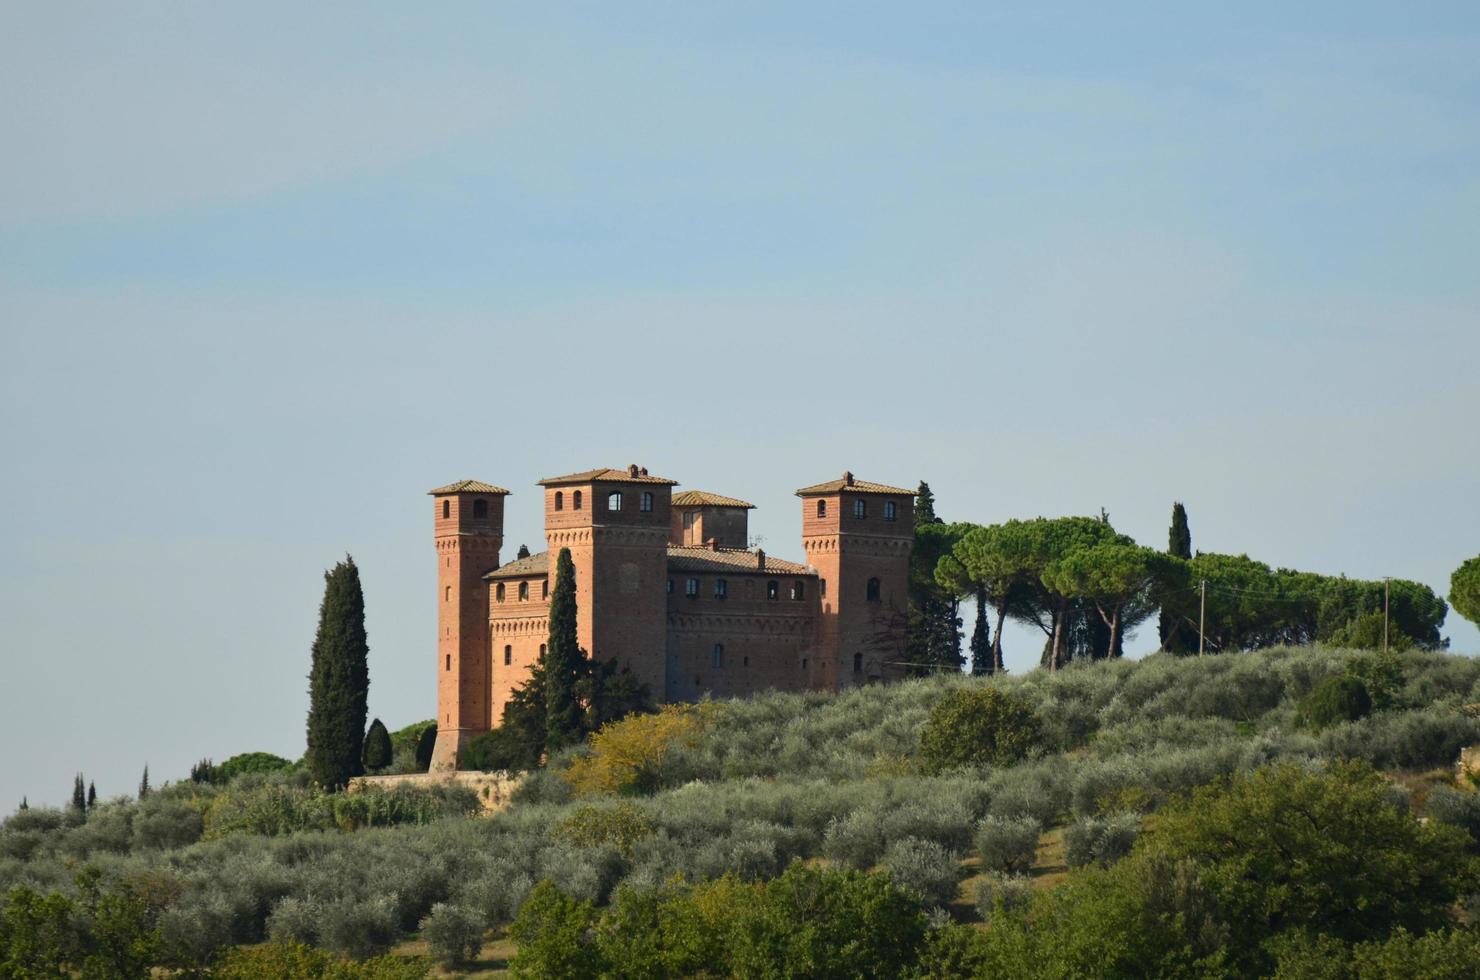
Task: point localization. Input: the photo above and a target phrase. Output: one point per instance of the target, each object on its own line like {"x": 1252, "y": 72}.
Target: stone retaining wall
{"x": 494, "y": 789}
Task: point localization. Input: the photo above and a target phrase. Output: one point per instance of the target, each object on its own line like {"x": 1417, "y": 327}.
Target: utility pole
{"x": 1202, "y": 612}
{"x": 1385, "y": 592}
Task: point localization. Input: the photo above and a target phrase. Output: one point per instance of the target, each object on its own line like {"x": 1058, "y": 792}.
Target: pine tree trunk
{"x": 1058, "y": 639}
{"x": 997, "y": 639}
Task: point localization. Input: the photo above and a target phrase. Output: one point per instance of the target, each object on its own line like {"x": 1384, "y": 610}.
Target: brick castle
{"x": 667, "y": 584}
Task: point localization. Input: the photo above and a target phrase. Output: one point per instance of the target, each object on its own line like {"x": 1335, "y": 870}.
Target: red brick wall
{"x": 467, "y": 548}
{"x": 768, "y": 644}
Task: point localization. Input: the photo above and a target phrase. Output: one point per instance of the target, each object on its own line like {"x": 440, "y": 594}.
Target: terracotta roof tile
{"x": 731, "y": 560}
{"x": 607, "y": 476}
{"x": 467, "y": 486}
{"x": 536, "y": 564}
{"x": 703, "y": 498}
{"x": 850, "y": 485}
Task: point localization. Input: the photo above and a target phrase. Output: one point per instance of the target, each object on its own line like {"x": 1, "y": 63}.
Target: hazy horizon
{"x": 269, "y": 274}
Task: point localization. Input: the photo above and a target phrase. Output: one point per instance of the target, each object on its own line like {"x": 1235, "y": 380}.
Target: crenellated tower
{"x": 468, "y": 523}
{"x": 858, "y": 536}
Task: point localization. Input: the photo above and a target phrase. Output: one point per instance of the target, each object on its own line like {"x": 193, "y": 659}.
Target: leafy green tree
{"x": 925, "y": 506}
{"x": 377, "y": 746}
{"x": 1121, "y": 581}
{"x": 1464, "y": 590}
{"x": 564, "y": 661}
{"x": 552, "y": 934}
{"x": 1170, "y": 625}
{"x": 120, "y": 940}
{"x": 245, "y": 762}
{"x": 1284, "y": 848}
{"x": 38, "y": 937}
{"x": 978, "y": 726}
{"x": 339, "y": 680}
{"x": 1333, "y": 701}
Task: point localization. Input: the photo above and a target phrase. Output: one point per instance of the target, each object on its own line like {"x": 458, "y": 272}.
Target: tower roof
{"x": 849, "y": 484}
{"x": 632, "y": 474}
{"x": 682, "y": 558}
{"x": 703, "y": 498}
{"x": 467, "y": 486}
{"x": 536, "y": 564}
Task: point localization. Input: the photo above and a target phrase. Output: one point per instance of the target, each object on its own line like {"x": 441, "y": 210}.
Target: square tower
{"x": 616, "y": 524}
{"x": 468, "y": 525}
{"x": 858, "y": 536}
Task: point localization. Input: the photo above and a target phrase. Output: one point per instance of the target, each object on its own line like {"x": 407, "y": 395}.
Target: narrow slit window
{"x": 721, "y": 588}
{"x": 446, "y": 509}
{"x": 508, "y": 654}
{"x": 773, "y": 589}
{"x": 873, "y": 590}
{"x": 858, "y": 663}
{"x": 797, "y": 590}
{"x": 449, "y": 661}
{"x": 691, "y": 588}
{"x": 560, "y": 500}
{"x": 545, "y": 589}
{"x": 645, "y": 502}
{"x": 860, "y": 508}
{"x": 717, "y": 656}
{"x": 891, "y": 510}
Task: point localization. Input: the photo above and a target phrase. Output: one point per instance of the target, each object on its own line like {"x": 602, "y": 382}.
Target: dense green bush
{"x": 1449, "y": 954}
{"x": 978, "y": 726}
{"x": 248, "y": 762}
{"x": 925, "y": 869}
{"x": 1007, "y": 844}
{"x": 453, "y": 933}
{"x": 1335, "y": 700}
{"x": 293, "y": 961}
{"x": 998, "y": 893}
{"x": 1100, "y": 840}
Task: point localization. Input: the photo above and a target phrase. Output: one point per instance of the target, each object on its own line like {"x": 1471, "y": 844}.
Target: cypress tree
{"x": 925, "y": 505}
{"x": 377, "y": 746}
{"x": 24, "y": 804}
{"x": 1179, "y": 545}
{"x": 563, "y": 661}
{"x": 144, "y": 783}
{"x": 981, "y": 637}
{"x": 426, "y": 743}
{"x": 339, "y": 680}
{"x": 79, "y": 796}
{"x": 92, "y": 795}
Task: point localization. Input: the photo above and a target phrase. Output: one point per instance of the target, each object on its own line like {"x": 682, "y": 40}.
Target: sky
{"x": 269, "y": 272}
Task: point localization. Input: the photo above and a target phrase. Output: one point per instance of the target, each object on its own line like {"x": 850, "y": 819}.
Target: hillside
{"x": 747, "y": 787}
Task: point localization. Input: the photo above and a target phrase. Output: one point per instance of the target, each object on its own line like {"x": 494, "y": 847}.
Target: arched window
{"x": 447, "y": 594}
{"x": 614, "y": 500}
{"x": 480, "y": 509}
{"x": 508, "y": 654}
{"x": 691, "y": 588}
{"x": 446, "y": 509}
{"x": 822, "y": 588}
{"x": 773, "y": 589}
{"x": 645, "y": 502}
{"x": 542, "y": 651}
{"x": 891, "y": 510}
{"x": 523, "y": 591}
{"x": 858, "y": 663}
{"x": 797, "y": 589}
{"x": 545, "y": 589}
{"x": 873, "y": 590}
{"x": 498, "y": 592}
{"x": 560, "y": 500}
{"x": 718, "y": 656}
{"x": 575, "y": 500}
{"x": 822, "y": 508}
{"x": 721, "y": 588}
{"x": 860, "y": 508}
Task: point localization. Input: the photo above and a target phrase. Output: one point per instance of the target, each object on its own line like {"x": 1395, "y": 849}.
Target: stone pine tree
{"x": 339, "y": 680}
{"x": 1179, "y": 545}
{"x": 564, "y": 716}
{"x": 144, "y": 783}
{"x": 981, "y": 636}
{"x": 377, "y": 746}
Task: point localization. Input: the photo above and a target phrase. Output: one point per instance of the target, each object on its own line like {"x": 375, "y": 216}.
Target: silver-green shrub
{"x": 1100, "y": 840}
{"x": 453, "y": 933}
{"x": 924, "y": 868}
{"x": 1007, "y": 844}
{"x": 997, "y": 893}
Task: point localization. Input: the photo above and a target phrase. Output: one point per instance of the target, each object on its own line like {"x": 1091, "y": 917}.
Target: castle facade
{"x": 667, "y": 584}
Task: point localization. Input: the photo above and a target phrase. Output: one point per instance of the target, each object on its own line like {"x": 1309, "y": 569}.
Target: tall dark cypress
{"x": 925, "y": 505}
{"x": 92, "y": 795}
{"x": 1179, "y": 545}
{"x": 79, "y": 796}
{"x": 144, "y": 783}
{"x": 339, "y": 680}
{"x": 981, "y": 637}
{"x": 563, "y": 661}
{"x": 378, "y": 748}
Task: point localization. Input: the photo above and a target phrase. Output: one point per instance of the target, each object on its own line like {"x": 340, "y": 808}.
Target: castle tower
{"x": 858, "y": 536}
{"x": 468, "y": 522}
{"x": 616, "y": 524}
{"x": 700, "y": 517}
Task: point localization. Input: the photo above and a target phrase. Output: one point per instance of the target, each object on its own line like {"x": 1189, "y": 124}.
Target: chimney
{"x": 760, "y": 560}
{"x": 642, "y": 471}
{"x": 848, "y": 477}
{"x": 712, "y": 544}
{"x": 632, "y": 469}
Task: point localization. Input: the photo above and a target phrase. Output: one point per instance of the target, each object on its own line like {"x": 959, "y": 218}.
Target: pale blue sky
{"x": 267, "y": 274}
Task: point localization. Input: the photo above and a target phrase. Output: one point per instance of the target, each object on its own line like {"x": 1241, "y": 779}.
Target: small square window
{"x": 797, "y": 590}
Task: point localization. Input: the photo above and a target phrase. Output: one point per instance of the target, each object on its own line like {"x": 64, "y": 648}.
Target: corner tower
{"x": 616, "y": 524}
{"x": 858, "y": 536}
{"x": 468, "y": 523}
